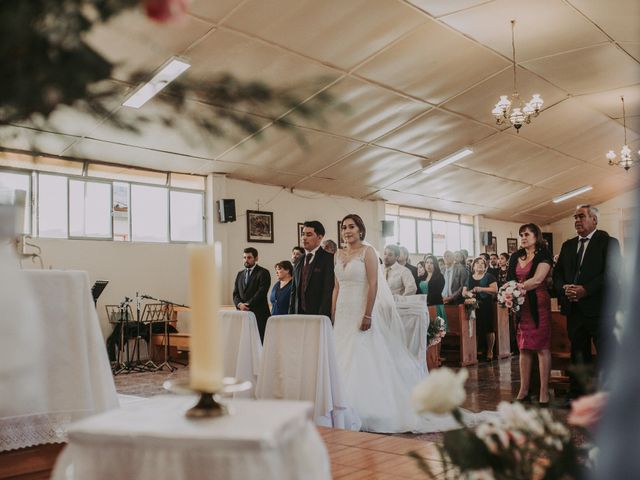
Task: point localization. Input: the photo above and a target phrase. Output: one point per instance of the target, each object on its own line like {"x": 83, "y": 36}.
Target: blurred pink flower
{"x": 587, "y": 410}
{"x": 164, "y": 11}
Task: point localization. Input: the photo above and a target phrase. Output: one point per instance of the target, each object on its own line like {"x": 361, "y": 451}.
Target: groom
{"x": 312, "y": 275}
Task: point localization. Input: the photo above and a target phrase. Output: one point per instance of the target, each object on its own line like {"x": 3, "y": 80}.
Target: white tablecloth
{"x": 415, "y": 320}
{"x": 299, "y": 363}
{"x": 153, "y": 440}
{"x": 73, "y": 379}
{"x": 242, "y": 347}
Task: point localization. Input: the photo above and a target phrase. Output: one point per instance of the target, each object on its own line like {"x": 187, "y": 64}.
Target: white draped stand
{"x": 415, "y": 322}
{"x": 299, "y": 363}
{"x": 153, "y": 440}
{"x": 74, "y": 378}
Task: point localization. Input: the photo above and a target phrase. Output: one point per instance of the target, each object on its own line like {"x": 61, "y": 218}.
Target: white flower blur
{"x": 441, "y": 392}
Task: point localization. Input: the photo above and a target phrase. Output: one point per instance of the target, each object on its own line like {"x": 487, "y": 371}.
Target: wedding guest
{"x": 251, "y": 289}
{"x": 503, "y": 268}
{"x": 530, "y": 267}
{"x": 585, "y": 273}
{"x": 441, "y": 263}
{"x": 281, "y": 291}
{"x": 455, "y": 278}
{"x": 296, "y": 254}
{"x": 459, "y": 257}
{"x": 431, "y": 285}
{"x": 405, "y": 261}
{"x": 494, "y": 268}
{"x": 330, "y": 246}
{"x": 399, "y": 278}
{"x": 483, "y": 286}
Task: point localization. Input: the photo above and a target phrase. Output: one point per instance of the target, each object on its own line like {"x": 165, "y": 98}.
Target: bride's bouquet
{"x": 436, "y": 331}
{"x": 511, "y": 296}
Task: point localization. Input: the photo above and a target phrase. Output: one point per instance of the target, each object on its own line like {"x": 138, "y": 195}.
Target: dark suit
{"x": 459, "y": 277}
{"x": 254, "y": 293}
{"x": 319, "y": 286}
{"x": 585, "y": 317}
{"x": 414, "y": 272}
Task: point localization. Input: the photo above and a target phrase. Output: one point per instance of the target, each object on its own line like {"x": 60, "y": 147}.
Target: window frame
{"x": 89, "y": 179}
{"x": 204, "y": 214}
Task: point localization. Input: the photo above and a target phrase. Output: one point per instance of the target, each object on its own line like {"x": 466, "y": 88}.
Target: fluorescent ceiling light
{"x": 448, "y": 160}
{"x": 165, "y": 75}
{"x": 572, "y": 193}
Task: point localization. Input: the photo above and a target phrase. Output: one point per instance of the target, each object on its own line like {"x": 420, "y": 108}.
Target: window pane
{"x": 89, "y": 209}
{"x": 120, "y": 211}
{"x": 149, "y": 214}
{"x": 393, "y": 239}
{"x": 439, "y": 237}
{"x": 466, "y": 239}
{"x": 52, "y": 206}
{"x": 408, "y": 234}
{"x": 453, "y": 236}
{"x": 186, "y": 217}
{"x": 20, "y": 181}
{"x": 424, "y": 236}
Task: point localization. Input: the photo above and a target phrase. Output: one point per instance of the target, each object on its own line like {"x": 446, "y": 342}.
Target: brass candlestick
{"x": 208, "y": 405}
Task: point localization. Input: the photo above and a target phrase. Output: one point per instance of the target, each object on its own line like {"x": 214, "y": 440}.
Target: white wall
{"x": 616, "y": 216}
{"x": 160, "y": 270}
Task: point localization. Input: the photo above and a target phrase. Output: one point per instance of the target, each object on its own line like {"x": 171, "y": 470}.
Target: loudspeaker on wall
{"x": 227, "y": 210}
{"x": 387, "y": 228}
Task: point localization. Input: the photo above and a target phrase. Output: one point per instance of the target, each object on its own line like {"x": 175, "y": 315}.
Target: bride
{"x": 377, "y": 370}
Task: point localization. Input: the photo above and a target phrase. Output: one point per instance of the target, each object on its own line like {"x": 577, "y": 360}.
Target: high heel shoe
{"x": 526, "y": 399}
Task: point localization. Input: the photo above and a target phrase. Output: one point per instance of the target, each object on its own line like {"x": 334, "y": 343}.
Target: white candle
{"x": 205, "y": 358}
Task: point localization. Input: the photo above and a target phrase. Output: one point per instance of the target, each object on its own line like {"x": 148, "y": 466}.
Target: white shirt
{"x": 400, "y": 280}
{"x": 313, "y": 255}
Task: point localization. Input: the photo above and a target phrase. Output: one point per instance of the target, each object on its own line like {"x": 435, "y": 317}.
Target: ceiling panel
{"x": 282, "y": 152}
{"x": 632, "y": 48}
{"x": 333, "y": 31}
{"x": 561, "y": 122}
{"x": 34, "y": 141}
{"x": 619, "y": 19}
{"x": 536, "y": 30}
{"x": 134, "y": 43}
{"x": 335, "y": 187}
{"x": 588, "y": 70}
{"x": 436, "y": 134}
{"x": 225, "y": 52}
{"x": 416, "y": 64}
{"x": 479, "y": 101}
{"x": 266, "y": 176}
{"x": 573, "y": 178}
{"x": 364, "y": 111}
{"x": 610, "y": 104}
{"x": 438, "y": 7}
{"x": 522, "y": 199}
{"x": 213, "y": 11}
{"x": 373, "y": 166}
{"x": 425, "y": 201}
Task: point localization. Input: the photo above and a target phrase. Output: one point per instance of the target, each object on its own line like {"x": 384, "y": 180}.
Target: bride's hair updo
{"x": 359, "y": 223}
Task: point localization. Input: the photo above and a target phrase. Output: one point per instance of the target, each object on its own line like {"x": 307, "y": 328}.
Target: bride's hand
{"x": 366, "y": 323}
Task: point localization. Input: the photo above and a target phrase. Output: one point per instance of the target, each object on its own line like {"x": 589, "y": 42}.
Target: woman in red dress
{"x": 530, "y": 266}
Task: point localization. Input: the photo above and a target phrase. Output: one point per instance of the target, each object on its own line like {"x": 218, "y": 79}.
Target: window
{"x": 21, "y": 182}
{"x": 89, "y": 209}
{"x": 187, "y": 216}
{"x": 149, "y": 214}
{"x": 52, "y": 206}
{"x": 424, "y": 231}
{"x": 120, "y": 211}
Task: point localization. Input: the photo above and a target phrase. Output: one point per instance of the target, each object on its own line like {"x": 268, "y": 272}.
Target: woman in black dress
{"x": 483, "y": 286}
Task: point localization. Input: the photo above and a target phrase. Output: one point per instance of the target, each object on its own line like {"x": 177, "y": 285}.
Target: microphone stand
{"x": 138, "y": 366}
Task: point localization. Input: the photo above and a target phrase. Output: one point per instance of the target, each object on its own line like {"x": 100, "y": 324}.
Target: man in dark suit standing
{"x": 581, "y": 277}
{"x": 313, "y": 276}
{"x": 455, "y": 278}
{"x": 251, "y": 289}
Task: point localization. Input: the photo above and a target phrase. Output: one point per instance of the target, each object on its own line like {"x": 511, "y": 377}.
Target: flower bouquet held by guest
{"x": 511, "y": 295}
{"x": 529, "y": 267}
{"x": 481, "y": 287}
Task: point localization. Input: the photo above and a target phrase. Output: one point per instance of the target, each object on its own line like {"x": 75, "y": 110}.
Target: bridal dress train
{"x": 377, "y": 370}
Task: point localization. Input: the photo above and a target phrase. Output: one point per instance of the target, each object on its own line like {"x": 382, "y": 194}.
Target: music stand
{"x": 122, "y": 316}
{"x": 97, "y": 289}
{"x": 154, "y": 313}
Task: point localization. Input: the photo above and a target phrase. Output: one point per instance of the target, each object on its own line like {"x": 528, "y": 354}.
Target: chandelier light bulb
{"x": 510, "y": 109}
{"x": 611, "y": 156}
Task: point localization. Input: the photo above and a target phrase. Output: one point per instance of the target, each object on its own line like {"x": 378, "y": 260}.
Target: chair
{"x": 299, "y": 363}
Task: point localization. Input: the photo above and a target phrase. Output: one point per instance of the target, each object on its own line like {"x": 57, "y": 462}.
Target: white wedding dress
{"x": 377, "y": 370}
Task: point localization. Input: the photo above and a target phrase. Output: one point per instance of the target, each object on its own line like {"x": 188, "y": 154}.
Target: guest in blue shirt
{"x": 281, "y": 291}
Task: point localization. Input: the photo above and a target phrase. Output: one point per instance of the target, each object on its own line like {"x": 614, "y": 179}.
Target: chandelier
{"x": 626, "y": 161}
{"x": 511, "y": 109}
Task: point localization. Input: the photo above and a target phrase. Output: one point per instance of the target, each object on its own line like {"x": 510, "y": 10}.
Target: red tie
{"x": 304, "y": 280}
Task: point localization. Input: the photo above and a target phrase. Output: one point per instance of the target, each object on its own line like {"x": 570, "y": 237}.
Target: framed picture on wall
{"x": 259, "y": 226}
{"x": 492, "y": 247}
{"x": 512, "y": 245}
{"x": 300, "y": 227}
{"x": 340, "y": 240}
